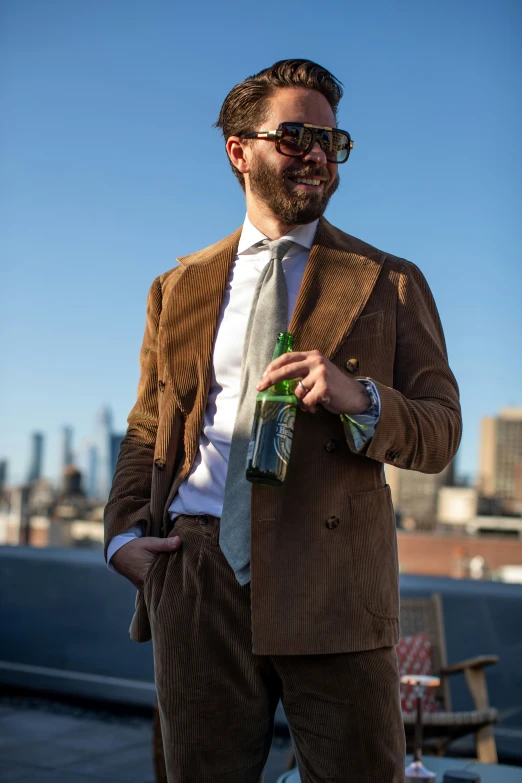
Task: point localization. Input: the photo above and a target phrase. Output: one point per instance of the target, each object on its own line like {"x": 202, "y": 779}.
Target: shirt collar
{"x": 301, "y": 235}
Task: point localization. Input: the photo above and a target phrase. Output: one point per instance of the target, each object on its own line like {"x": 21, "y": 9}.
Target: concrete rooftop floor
{"x": 43, "y": 741}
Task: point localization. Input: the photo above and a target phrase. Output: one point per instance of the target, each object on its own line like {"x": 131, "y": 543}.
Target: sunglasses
{"x": 296, "y": 139}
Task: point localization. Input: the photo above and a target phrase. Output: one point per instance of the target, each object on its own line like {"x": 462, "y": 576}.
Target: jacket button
{"x": 330, "y": 446}
{"x": 332, "y": 522}
{"x": 392, "y": 455}
{"x": 161, "y": 386}
{"x": 203, "y": 520}
{"x": 352, "y": 365}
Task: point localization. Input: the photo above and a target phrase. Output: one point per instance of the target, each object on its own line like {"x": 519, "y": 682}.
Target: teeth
{"x": 308, "y": 181}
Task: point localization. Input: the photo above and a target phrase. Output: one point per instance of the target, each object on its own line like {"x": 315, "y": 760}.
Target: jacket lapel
{"x": 189, "y": 326}
{"x": 338, "y": 280}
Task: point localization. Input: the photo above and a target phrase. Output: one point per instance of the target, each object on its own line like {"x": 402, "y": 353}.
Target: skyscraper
{"x": 100, "y": 455}
{"x": 67, "y": 457}
{"x": 116, "y": 439}
{"x": 103, "y": 445}
{"x": 92, "y": 471}
{"x": 36, "y": 457}
{"x": 501, "y": 454}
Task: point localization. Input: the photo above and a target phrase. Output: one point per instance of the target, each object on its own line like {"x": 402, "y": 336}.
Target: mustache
{"x": 309, "y": 173}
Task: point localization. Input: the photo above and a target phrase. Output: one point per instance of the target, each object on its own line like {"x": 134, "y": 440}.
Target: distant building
{"x": 41, "y": 497}
{"x": 457, "y": 505}
{"x": 102, "y": 456}
{"x": 461, "y": 509}
{"x": 36, "y": 457}
{"x": 72, "y": 481}
{"x": 415, "y": 495}
{"x": 116, "y": 439}
{"x": 92, "y": 471}
{"x": 460, "y": 556}
{"x": 103, "y": 452}
{"x": 67, "y": 457}
{"x": 3, "y": 474}
{"x": 518, "y": 482}
{"x": 501, "y": 455}
{"x": 17, "y": 528}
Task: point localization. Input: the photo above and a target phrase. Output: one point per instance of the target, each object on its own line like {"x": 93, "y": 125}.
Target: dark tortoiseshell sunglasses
{"x": 296, "y": 139}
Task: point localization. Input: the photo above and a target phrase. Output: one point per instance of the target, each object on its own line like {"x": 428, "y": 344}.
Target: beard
{"x": 292, "y": 207}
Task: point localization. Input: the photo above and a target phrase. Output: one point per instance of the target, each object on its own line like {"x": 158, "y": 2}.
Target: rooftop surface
{"x": 43, "y": 741}
{"x": 67, "y": 622}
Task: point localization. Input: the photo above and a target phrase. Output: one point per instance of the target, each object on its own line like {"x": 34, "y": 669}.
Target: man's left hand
{"x": 321, "y": 383}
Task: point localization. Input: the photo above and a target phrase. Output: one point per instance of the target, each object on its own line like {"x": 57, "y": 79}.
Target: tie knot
{"x": 278, "y": 247}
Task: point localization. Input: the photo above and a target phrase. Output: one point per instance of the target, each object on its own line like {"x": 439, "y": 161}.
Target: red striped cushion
{"x": 414, "y": 657}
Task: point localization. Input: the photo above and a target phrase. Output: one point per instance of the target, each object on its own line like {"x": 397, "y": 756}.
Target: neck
{"x": 265, "y": 221}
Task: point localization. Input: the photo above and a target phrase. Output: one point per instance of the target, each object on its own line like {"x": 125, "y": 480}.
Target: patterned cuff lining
{"x": 362, "y": 425}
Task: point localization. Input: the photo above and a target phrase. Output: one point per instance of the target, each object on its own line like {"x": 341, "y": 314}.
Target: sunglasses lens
{"x": 295, "y": 140}
{"x": 326, "y": 140}
{"x": 340, "y": 147}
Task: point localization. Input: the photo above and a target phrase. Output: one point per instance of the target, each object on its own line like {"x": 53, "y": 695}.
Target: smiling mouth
{"x": 301, "y": 181}
{"x": 309, "y": 181}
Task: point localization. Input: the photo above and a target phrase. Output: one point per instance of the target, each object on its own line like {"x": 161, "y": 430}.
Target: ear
{"x": 238, "y": 152}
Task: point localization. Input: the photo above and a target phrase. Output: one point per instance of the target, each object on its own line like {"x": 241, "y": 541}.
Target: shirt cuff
{"x": 117, "y": 542}
{"x": 362, "y": 425}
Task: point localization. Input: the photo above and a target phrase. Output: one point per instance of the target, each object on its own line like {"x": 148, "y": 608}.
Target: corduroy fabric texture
{"x": 323, "y": 547}
{"x": 217, "y": 699}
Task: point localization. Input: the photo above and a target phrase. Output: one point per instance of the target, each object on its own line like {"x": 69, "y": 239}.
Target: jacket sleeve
{"x": 129, "y": 499}
{"x": 420, "y": 424}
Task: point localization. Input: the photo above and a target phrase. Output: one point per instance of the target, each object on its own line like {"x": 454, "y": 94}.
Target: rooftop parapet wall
{"x": 65, "y": 618}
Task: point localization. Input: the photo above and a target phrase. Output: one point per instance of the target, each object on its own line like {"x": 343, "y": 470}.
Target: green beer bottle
{"x": 273, "y": 427}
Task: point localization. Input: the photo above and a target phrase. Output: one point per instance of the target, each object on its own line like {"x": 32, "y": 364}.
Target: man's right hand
{"x": 134, "y": 559}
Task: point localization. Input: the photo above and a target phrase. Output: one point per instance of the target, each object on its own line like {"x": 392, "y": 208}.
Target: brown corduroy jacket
{"x": 323, "y": 547}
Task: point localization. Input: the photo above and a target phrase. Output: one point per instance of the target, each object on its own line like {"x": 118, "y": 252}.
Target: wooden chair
{"x": 442, "y": 727}
{"x": 424, "y": 615}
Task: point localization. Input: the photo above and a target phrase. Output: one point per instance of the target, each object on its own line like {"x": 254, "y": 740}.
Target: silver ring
{"x": 303, "y": 386}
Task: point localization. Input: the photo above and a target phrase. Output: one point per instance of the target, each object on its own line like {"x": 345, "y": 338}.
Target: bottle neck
{"x": 284, "y": 344}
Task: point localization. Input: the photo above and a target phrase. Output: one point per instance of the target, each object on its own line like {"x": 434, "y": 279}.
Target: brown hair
{"x": 246, "y": 105}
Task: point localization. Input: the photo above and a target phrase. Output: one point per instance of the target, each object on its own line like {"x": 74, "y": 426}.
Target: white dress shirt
{"x": 203, "y": 490}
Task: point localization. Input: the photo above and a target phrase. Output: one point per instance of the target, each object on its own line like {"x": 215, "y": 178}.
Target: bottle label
{"x": 284, "y": 432}
{"x": 270, "y": 441}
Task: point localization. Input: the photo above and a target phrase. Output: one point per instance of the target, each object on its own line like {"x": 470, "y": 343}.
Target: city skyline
{"x": 95, "y": 457}
{"x": 101, "y": 189}
{"x": 63, "y": 446}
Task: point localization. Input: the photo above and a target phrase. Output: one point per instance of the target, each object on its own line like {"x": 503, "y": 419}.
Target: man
{"x": 255, "y": 593}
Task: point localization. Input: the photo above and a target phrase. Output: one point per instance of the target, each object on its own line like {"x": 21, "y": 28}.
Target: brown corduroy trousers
{"x": 217, "y": 699}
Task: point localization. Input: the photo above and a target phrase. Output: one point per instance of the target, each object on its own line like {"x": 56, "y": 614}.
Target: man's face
{"x": 273, "y": 178}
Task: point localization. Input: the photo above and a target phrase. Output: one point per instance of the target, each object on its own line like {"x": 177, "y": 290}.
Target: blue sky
{"x": 111, "y": 169}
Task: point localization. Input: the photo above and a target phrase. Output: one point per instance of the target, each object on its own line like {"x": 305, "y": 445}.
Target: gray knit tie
{"x": 268, "y": 316}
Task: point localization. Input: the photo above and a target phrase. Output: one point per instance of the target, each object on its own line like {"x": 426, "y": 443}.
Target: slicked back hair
{"x": 246, "y": 106}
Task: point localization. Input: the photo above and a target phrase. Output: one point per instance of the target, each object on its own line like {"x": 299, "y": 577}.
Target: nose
{"x": 316, "y": 155}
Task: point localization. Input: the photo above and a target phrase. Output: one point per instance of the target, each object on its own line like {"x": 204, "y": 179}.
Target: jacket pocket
{"x": 152, "y": 587}
{"x": 373, "y": 543}
{"x": 367, "y": 326}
